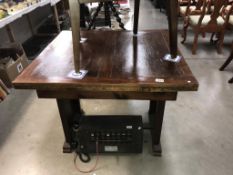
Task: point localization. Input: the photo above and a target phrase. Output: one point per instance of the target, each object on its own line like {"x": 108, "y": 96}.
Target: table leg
{"x": 156, "y": 112}
{"x": 70, "y": 111}
{"x": 152, "y": 107}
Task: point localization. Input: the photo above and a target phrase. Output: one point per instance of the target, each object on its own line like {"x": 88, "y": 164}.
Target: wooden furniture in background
{"x": 228, "y": 61}
{"x": 226, "y": 14}
{"x": 183, "y": 2}
{"x": 212, "y": 23}
{"x": 3, "y": 91}
{"x": 190, "y": 8}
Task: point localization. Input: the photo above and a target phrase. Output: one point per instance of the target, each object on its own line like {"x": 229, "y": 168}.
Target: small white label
{"x": 111, "y": 148}
{"x": 19, "y": 67}
{"x": 83, "y": 40}
{"x": 159, "y": 80}
{"x": 129, "y": 127}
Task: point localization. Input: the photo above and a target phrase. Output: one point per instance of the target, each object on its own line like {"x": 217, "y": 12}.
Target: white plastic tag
{"x": 159, "y": 80}
{"x": 20, "y": 67}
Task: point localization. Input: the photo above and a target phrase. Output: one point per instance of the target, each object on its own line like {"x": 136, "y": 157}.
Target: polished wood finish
{"x": 120, "y": 66}
{"x": 114, "y": 64}
{"x": 69, "y": 94}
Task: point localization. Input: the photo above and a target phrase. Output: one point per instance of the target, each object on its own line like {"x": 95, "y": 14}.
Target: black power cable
{"x": 96, "y": 162}
{"x": 84, "y": 157}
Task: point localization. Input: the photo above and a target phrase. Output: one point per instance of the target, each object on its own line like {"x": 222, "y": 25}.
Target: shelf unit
{"x": 5, "y": 22}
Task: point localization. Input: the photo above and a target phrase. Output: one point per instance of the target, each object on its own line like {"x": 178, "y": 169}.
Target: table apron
{"x": 59, "y": 94}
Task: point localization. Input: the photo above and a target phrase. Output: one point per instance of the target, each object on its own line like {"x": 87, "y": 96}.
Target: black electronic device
{"x": 109, "y": 134}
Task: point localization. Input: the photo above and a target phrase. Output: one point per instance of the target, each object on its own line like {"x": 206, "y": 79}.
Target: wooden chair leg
{"x": 231, "y": 80}
{"x": 212, "y": 38}
{"x": 195, "y": 43}
{"x": 226, "y": 62}
{"x": 184, "y": 34}
{"x": 220, "y": 43}
{"x": 203, "y": 34}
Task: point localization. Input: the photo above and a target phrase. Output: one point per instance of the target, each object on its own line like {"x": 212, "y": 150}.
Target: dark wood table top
{"x": 115, "y": 60}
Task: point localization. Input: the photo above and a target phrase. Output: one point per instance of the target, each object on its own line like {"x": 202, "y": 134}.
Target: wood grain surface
{"x": 116, "y": 61}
